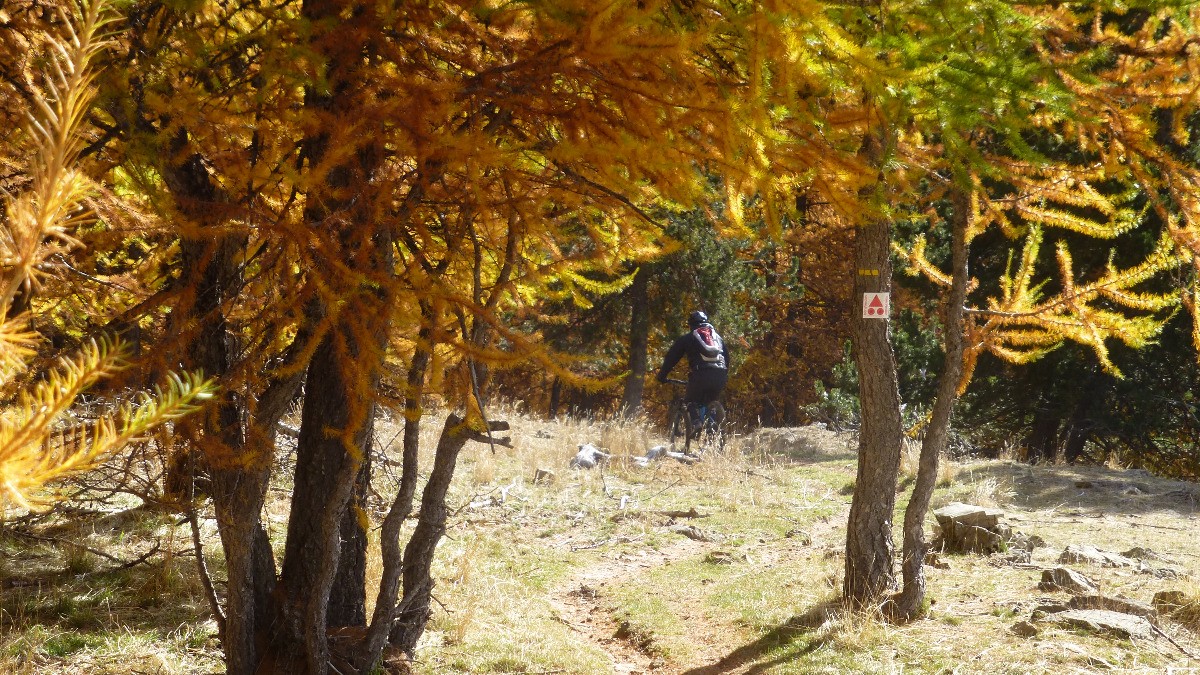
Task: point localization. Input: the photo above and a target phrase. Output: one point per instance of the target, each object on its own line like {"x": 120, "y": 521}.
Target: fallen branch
{"x": 1164, "y": 527}
{"x": 690, "y": 513}
{"x": 1172, "y": 641}
{"x": 61, "y": 576}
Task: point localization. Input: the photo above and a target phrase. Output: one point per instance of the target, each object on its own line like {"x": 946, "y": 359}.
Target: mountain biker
{"x": 708, "y": 360}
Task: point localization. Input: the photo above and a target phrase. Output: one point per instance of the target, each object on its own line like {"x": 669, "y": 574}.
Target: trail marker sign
{"x": 876, "y": 305}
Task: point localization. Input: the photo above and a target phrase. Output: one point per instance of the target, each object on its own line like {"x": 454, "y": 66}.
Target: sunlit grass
{"x": 758, "y": 595}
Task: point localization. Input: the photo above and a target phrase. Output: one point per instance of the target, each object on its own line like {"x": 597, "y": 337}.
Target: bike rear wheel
{"x": 711, "y": 435}
{"x": 679, "y": 432}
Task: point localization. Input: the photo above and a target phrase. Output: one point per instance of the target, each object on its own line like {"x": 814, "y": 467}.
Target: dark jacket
{"x": 704, "y": 348}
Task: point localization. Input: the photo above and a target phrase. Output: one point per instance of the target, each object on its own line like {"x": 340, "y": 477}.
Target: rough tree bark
{"x": 869, "y": 545}
{"x": 239, "y": 493}
{"x": 343, "y": 374}
{"x": 235, "y": 458}
{"x": 348, "y": 595}
{"x": 910, "y": 602}
{"x": 639, "y": 334}
{"x": 339, "y": 391}
{"x": 208, "y": 279}
{"x": 231, "y": 449}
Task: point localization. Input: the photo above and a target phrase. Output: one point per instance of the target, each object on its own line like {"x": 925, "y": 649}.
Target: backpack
{"x": 712, "y": 349}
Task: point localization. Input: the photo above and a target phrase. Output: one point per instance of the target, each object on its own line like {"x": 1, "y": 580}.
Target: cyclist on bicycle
{"x": 708, "y": 361}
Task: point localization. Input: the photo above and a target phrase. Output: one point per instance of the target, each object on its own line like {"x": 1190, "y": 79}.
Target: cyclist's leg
{"x": 705, "y": 386}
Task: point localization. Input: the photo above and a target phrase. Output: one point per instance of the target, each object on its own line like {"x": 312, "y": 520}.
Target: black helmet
{"x": 696, "y": 319}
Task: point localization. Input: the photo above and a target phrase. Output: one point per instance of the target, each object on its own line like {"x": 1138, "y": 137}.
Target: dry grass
{"x": 910, "y": 460}
{"x": 757, "y": 596}
{"x": 1183, "y": 606}
{"x": 776, "y": 503}
{"x": 93, "y": 618}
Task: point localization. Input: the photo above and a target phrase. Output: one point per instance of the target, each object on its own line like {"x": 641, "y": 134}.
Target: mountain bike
{"x": 694, "y": 424}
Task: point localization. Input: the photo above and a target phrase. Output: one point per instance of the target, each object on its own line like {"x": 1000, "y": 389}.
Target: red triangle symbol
{"x": 876, "y": 303}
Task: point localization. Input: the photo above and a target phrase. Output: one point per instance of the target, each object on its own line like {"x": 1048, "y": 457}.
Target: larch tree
{"x": 971, "y": 89}
{"x": 39, "y": 441}
{"x": 1089, "y": 185}
{"x": 359, "y": 191}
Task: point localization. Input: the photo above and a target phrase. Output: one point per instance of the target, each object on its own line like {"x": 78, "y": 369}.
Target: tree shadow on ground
{"x": 102, "y": 576}
{"x": 800, "y": 445}
{"x": 1087, "y": 488}
{"x": 788, "y": 641}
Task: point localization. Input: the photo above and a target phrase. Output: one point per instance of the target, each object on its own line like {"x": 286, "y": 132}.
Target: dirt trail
{"x": 581, "y": 605}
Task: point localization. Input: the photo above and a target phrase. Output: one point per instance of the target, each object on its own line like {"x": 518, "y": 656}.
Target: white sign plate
{"x": 877, "y": 305}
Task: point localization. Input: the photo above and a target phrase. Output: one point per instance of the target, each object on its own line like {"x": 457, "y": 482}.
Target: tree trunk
{"x": 1041, "y": 443}
{"x": 639, "y": 334}
{"x": 348, "y": 596}
{"x": 391, "y": 556}
{"x": 239, "y": 488}
{"x": 235, "y": 460}
{"x": 910, "y": 603}
{"x": 415, "y": 608}
{"x": 208, "y": 279}
{"x": 344, "y": 370}
{"x": 1080, "y": 425}
{"x": 555, "y": 397}
{"x": 339, "y": 392}
{"x": 237, "y": 468}
{"x": 238, "y": 500}
{"x": 1077, "y": 437}
{"x": 869, "y": 546}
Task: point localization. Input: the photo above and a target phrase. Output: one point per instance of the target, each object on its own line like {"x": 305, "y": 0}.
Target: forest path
{"x": 580, "y": 603}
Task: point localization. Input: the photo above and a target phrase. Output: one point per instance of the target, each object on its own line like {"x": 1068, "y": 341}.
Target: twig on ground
{"x": 1172, "y": 641}
{"x": 72, "y": 544}
{"x": 690, "y": 513}
{"x": 677, "y": 482}
{"x": 439, "y": 602}
{"x": 1165, "y": 527}
{"x": 598, "y": 544}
